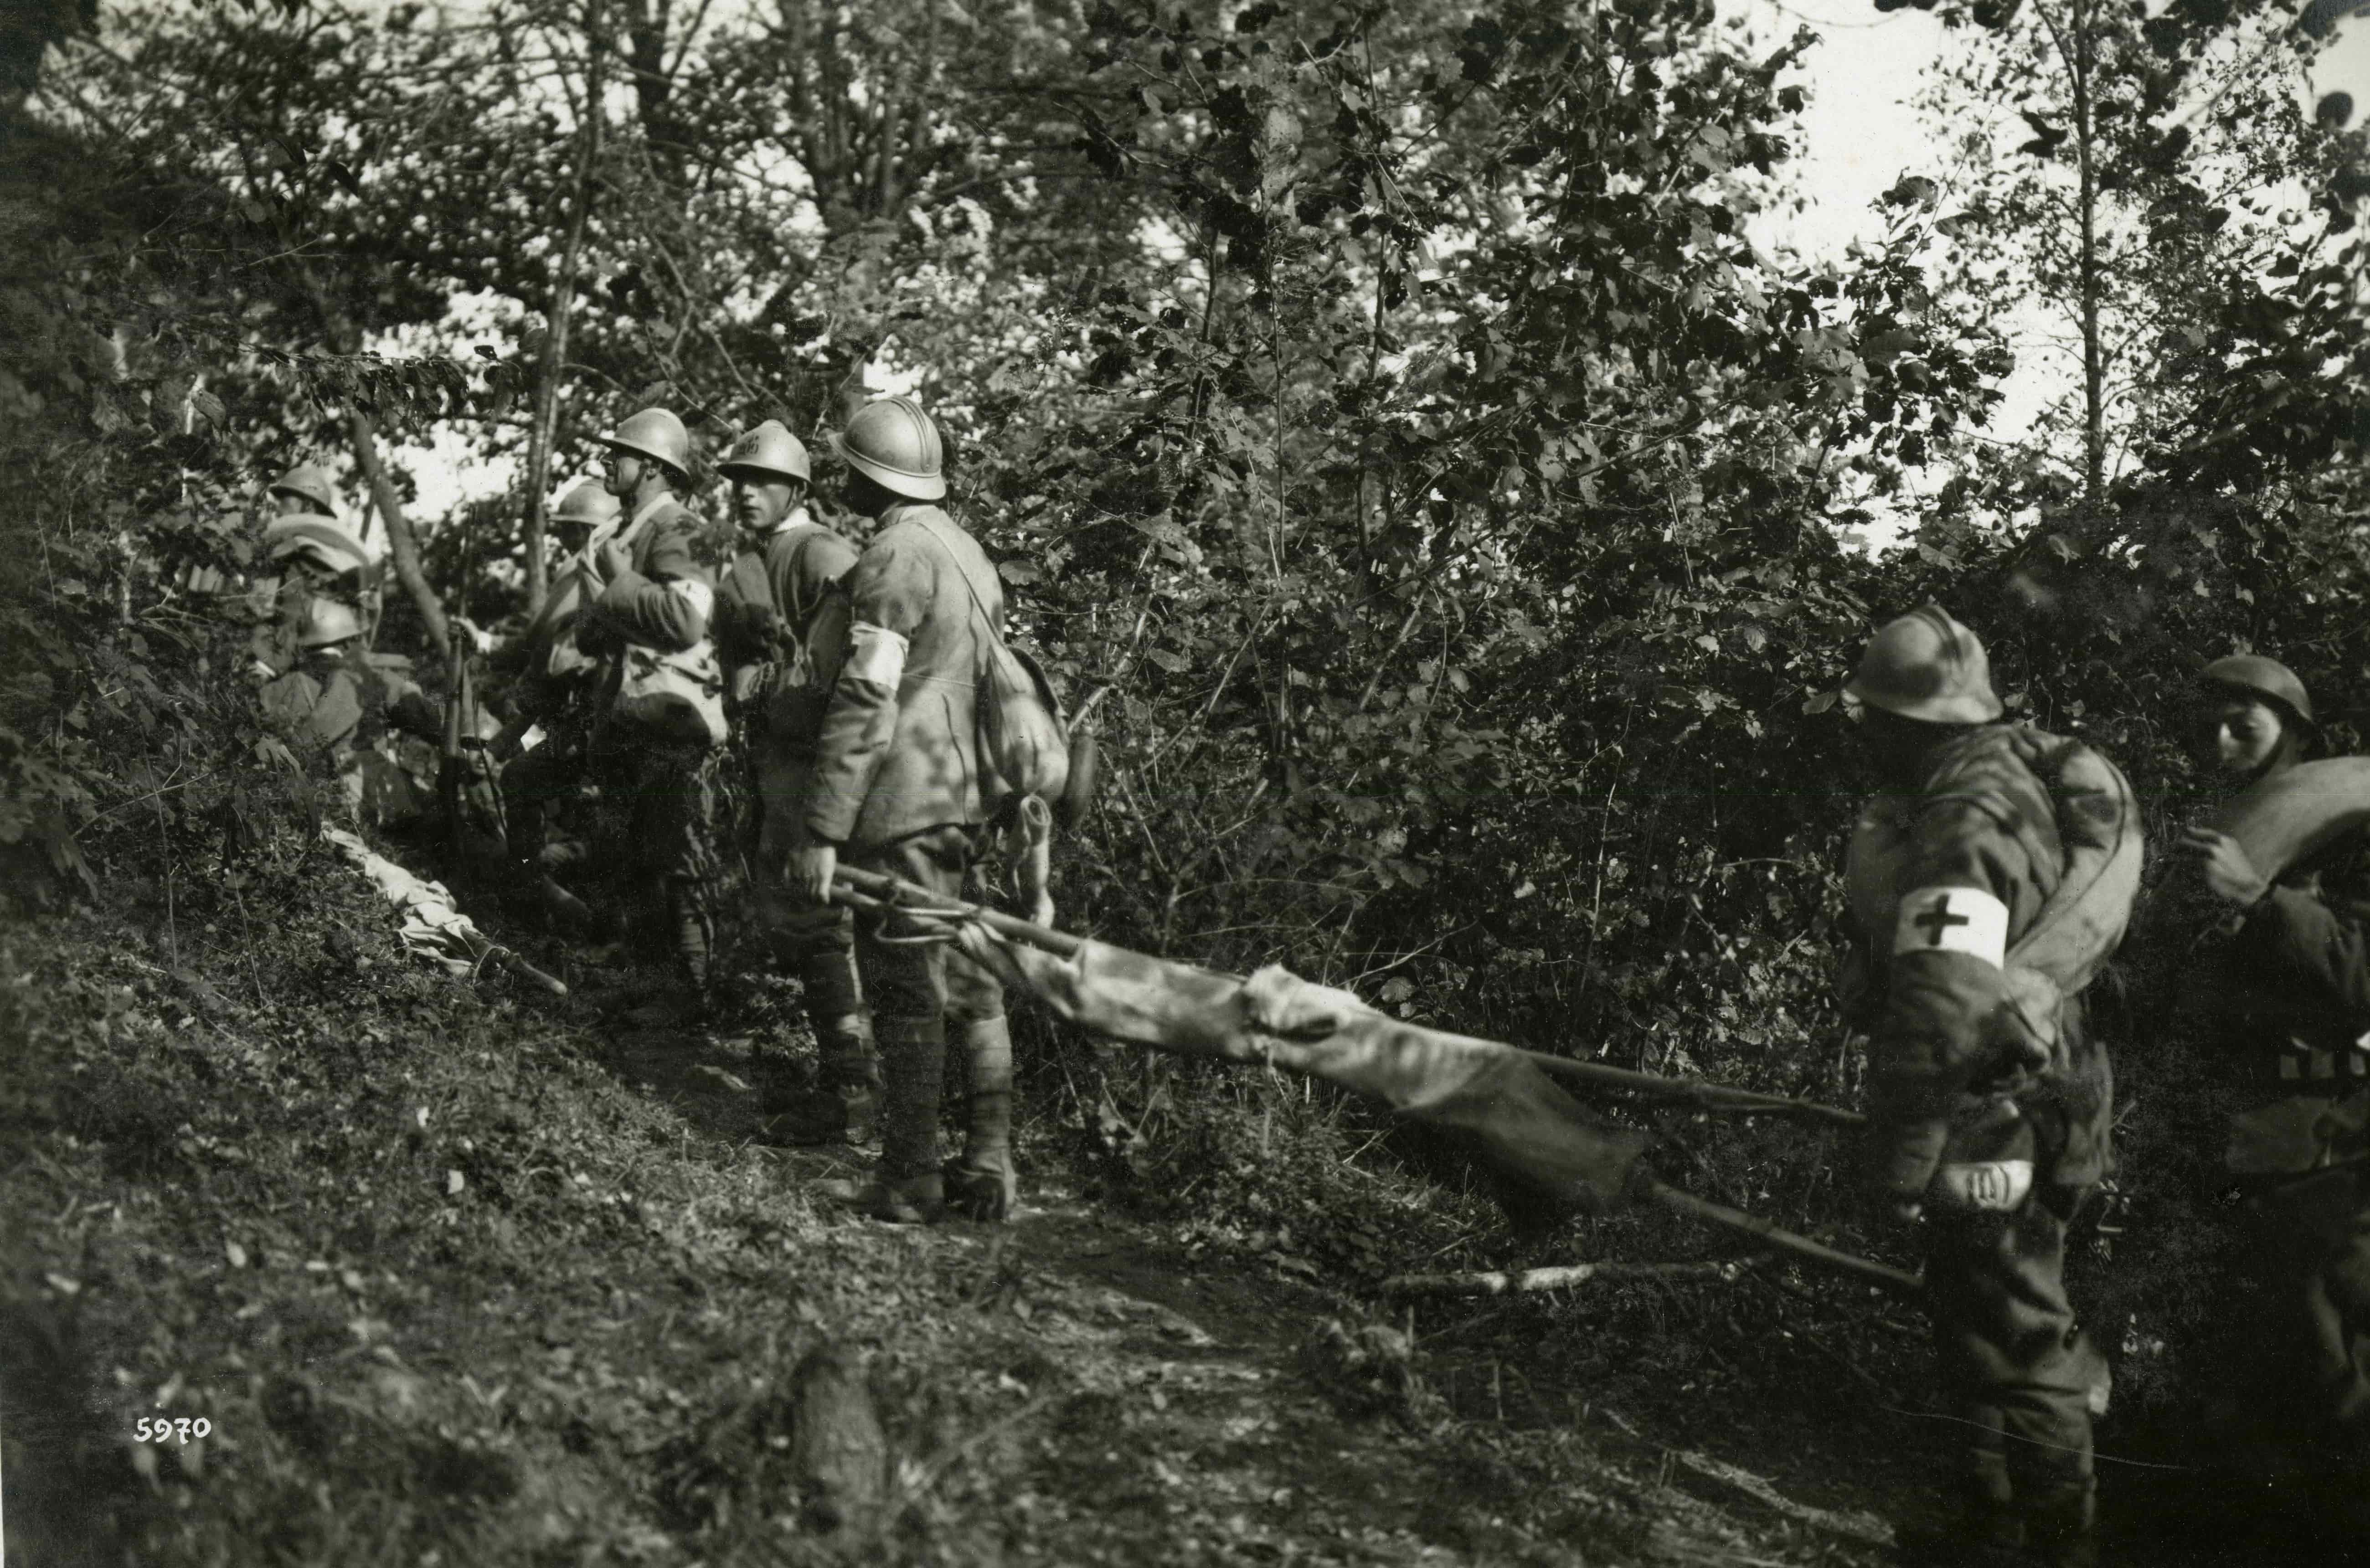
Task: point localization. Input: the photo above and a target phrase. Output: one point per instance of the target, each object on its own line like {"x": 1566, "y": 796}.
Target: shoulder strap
{"x": 939, "y": 530}
{"x": 800, "y": 539}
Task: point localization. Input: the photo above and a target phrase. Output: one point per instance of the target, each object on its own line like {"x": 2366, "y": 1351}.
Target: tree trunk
{"x": 555, "y": 340}
{"x": 2094, "y": 373}
{"x": 401, "y": 541}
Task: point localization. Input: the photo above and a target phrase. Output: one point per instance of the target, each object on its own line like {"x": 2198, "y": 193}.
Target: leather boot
{"x": 907, "y": 1189}
{"x": 981, "y": 1184}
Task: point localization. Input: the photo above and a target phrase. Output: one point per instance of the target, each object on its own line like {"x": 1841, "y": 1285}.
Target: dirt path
{"x": 458, "y": 1279}
{"x": 1166, "y": 1410}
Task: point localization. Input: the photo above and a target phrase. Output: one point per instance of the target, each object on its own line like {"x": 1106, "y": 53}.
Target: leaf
{"x": 1913, "y": 190}
{"x": 236, "y": 1253}
{"x": 454, "y": 1182}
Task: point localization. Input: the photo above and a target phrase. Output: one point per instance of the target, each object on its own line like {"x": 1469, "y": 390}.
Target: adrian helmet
{"x": 655, "y": 434}
{"x": 1926, "y": 666}
{"x": 895, "y": 444}
{"x": 767, "y": 452}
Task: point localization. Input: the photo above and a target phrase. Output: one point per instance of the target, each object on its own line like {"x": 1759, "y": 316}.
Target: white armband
{"x": 876, "y": 655}
{"x": 697, "y": 594}
{"x": 1952, "y": 919}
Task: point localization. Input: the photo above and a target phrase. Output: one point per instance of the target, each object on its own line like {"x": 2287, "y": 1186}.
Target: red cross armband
{"x": 1952, "y": 919}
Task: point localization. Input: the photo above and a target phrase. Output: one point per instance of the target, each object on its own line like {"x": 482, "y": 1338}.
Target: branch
{"x": 1558, "y": 1279}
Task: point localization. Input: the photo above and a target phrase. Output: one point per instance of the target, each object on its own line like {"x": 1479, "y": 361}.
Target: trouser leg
{"x": 906, "y": 983}
{"x": 815, "y": 943}
{"x": 981, "y": 1183}
{"x": 674, "y": 811}
{"x": 533, "y": 784}
{"x": 2016, "y": 1367}
{"x": 2313, "y": 1243}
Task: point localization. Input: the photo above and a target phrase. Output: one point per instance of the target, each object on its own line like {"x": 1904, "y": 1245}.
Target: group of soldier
{"x": 842, "y": 682}
{"x": 1989, "y": 880}
{"x": 1984, "y": 894}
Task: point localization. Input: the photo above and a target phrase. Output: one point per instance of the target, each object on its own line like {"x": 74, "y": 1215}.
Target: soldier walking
{"x": 1989, "y": 877}
{"x": 2294, "y": 994}
{"x": 898, "y": 788}
{"x": 782, "y": 629}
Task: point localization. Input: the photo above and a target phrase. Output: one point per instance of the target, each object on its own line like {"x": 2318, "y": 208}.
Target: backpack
{"x": 1024, "y": 742}
{"x": 2082, "y": 920}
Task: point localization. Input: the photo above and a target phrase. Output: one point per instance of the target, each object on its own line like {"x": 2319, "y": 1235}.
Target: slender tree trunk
{"x": 2094, "y": 375}
{"x": 401, "y": 541}
{"x": 562, "y": 310}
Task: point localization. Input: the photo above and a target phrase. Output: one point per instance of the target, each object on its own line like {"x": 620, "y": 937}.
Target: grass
{"x": 460, "y": 1277}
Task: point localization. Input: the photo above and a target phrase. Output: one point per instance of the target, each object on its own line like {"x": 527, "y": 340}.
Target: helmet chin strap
{"x": 2285, "y": 756}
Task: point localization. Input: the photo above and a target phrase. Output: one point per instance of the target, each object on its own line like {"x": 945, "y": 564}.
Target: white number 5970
{"x": 180, "y": 1429}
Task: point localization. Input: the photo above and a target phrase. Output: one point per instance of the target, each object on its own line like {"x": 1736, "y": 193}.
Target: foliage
{"x": 1461, "y": 525}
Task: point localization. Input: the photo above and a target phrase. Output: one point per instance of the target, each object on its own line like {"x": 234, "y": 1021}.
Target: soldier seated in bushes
{"x": 2293, "y": 989}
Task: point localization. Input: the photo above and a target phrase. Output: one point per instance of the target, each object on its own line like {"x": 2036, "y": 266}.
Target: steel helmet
{"x": 768, "y": 451}
{"x": 2265, "y": 678}
{"x": 1926, "y": 666}
{"x": 307, "y": 482}
{"x": 656, "y": 434}
{"x": 326, "y": 539}
{"x": 589, "y": 503}
{"x": 892, "y": 443}
{"x": 328, "y": 621}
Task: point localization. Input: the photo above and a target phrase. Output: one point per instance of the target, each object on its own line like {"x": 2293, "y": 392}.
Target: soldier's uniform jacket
{"x": 899, "y": 749}
{"x": 1944, "y": 883}
{"x": 559, "y": 672}
{"x": 667, "y": 594}
{"x": 2295, "y": 997}
{"x": 2299, "y": 968}
{"x": 336, "y": 705}
{"x": 769, "y": 611}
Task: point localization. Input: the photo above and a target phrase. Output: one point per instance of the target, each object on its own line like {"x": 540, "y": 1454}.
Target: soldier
{"x": 315, "y": 556}
{"x": 1988, "y": 1100}
{"x": 558, "y": 697}
{"x": 2294, "y": 991}
{"x": 657, "y": 575}
{"x": 897, "y": 784}
{"x": 335, "y": 702}
{"x": 781, "y": 627}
